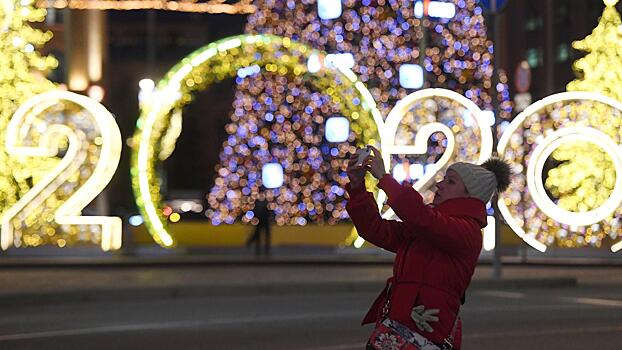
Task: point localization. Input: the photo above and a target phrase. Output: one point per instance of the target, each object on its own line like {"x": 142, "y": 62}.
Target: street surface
{"x": 581, "y": 317}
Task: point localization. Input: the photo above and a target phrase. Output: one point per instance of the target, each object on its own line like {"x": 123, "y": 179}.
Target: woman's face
{"x": 451, "y": 187}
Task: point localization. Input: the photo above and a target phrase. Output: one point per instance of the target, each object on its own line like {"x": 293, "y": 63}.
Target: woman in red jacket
{"x": 436, "y": 246}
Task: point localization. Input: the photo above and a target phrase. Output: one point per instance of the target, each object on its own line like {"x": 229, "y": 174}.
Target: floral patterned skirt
{"x": 392, "y": 335}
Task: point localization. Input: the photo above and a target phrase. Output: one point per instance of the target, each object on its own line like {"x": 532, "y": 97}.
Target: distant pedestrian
{"x": 436, "y": 246}
{"x": 262, "y": 213}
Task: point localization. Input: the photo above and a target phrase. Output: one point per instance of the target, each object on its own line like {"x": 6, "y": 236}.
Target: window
{"x": 534, "y": 56}
{"x": 563, "y": 52}
{"x": 533, "y": 23}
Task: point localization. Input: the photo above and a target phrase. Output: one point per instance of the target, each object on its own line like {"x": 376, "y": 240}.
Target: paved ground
{"x": 580, "y": 317}
{"x": 31, "y": 284}
{"x": 286, "y": 302}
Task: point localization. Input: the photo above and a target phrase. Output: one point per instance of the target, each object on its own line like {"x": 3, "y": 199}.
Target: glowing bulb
{"x": 411, "y": 76}
{"x": 337, "y": 129}
{"x": 272, "y": 175}
{"x": 146, "y": 84}
{"x": 136, "y": 220}
{"x": 399, "y": 173}
{"x": 313, "y": 63}
{"x": 174, "y": 217}
{"x": 96, "y": 92}
{"x": 329, "y": 9}
{"x": 610, "y": 2}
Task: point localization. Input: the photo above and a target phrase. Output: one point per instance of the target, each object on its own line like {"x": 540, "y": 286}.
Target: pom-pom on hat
{"x": 481, "y": 181}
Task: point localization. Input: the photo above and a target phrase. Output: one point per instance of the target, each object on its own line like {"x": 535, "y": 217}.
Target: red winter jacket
{"x": 436, "y": 252}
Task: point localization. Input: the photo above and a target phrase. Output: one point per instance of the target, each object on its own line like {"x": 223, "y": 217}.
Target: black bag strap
{"x": 448, "y": 343}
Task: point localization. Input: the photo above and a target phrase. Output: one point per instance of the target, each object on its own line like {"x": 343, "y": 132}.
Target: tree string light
{"x": 382, "y": 38}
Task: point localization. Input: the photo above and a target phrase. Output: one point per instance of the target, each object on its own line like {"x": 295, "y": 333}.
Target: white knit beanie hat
{"x": 479, "y": 182}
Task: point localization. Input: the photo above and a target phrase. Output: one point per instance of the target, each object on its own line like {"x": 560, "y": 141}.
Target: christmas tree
{"x": 598, "y": 71}
{"x": 383, "y": 37}
{"x": 21, "y": 77}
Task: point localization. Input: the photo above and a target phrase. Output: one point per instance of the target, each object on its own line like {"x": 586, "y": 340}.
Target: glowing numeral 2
{"x": 91, "y": 156}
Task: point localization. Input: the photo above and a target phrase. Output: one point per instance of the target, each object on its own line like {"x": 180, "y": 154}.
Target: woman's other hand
{"x": 375, "y": 163}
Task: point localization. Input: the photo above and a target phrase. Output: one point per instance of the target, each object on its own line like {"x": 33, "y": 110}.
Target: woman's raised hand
{"x": 375, "y": 163}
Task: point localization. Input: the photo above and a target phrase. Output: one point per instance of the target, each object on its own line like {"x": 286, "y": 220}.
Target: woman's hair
{"x": 502, "y": 172}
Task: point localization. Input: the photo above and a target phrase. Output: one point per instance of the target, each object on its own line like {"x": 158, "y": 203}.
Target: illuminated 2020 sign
{"x": 82, "y": 140}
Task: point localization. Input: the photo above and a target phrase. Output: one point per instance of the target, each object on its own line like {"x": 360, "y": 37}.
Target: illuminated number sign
{"x": 567, "y": 119}
{"x": 84, "y": 140}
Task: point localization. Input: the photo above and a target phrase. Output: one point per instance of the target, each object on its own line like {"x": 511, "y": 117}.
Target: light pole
{"x": 492, "y": 8}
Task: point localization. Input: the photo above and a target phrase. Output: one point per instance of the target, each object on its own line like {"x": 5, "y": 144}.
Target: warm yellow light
{"x": 7, "y": 11}
{"x": 610, "y": 2}
{"x": 96, "y": 92}
{"x": 174, "y": 217}
{"x": 78, "y": 80}
{"x": 241, "y": 7}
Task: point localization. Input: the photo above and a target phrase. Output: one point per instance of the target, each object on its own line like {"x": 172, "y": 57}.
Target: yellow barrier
{"x": 196, "y": 233}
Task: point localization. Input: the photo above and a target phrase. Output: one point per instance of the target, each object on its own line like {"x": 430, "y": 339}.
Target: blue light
{"x": 337, "y": 129}
{"x": 136, "y": 220}
{"x": 272, "y": 175}
{"x": 411, "y": 76}
{"x": 329, "y": 9}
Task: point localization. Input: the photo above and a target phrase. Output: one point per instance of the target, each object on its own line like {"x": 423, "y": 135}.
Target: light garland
{"x": 211, "y": 6}
{"x": 225, "y": 58}
{"x": 49, "y": 213}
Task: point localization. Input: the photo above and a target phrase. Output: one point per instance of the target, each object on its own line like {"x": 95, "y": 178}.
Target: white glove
{"x": 421, "y": 316}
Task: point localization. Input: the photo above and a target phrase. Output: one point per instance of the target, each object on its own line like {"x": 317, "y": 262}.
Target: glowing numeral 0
{"x": 92, "y": 178}
{"x": 586, "y": 131}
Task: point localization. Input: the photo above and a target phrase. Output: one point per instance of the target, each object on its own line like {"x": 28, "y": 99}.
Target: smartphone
{"x": 362, "y": 153}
